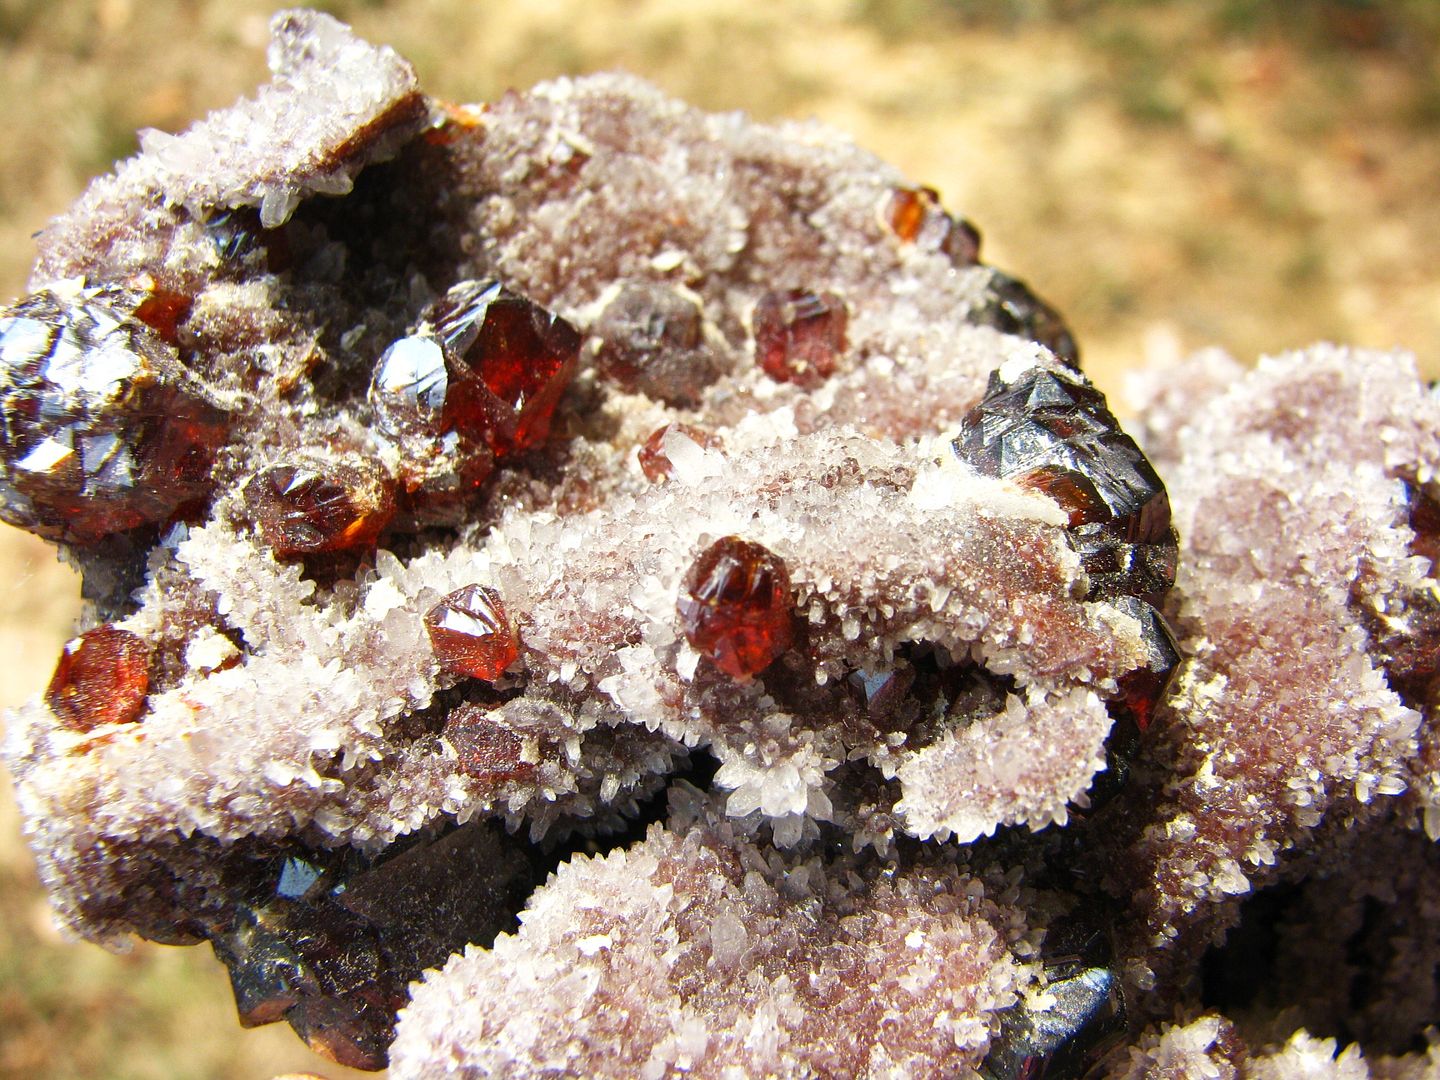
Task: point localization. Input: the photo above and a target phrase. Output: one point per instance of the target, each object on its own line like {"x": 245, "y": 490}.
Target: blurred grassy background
{"x": 1169, "y": 173}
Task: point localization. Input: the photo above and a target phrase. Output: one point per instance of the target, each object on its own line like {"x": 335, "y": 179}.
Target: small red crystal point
{"x": 735, "y": 606}
{"x": 304, "y": 511}
{"x": 102, "y": 678}
{"x": 915, "y": 216}
{"x": 471, "y": 634}
{"x": 799, "y": 335}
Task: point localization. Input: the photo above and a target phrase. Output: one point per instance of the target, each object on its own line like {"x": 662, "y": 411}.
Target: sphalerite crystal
{"x": 102, "y": 678}
{"x": 104, "y": 430}
{"x": 311, "y": 508}
{"x": 735, "y": 606}
{"x": 799, "y": 335}
{"x": 906, "y": 774}
{"x": 471, "y": 633}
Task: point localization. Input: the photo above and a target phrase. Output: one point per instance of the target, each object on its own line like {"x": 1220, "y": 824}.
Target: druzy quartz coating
{"x": 360, "y": 384}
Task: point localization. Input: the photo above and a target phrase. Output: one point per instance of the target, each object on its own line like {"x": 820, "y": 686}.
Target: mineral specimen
{"x": 642, "y": 571}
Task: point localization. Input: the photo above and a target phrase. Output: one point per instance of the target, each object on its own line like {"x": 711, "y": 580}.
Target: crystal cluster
{"x": 643, "y": 571}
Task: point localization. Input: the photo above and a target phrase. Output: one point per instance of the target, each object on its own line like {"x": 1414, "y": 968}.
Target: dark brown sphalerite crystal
{"x": 1013, "y": 308}
{"x": 471, "y": 633}
{"x": 799, "y": 335}
{"x": 104, "y": 430}
{"x": 1083, "y": 1018}
{"x": 655, "y": 463}
{"x": 330, "y": 940}
{"x": 103, "y": 677}
{"x": 649, "y": 340}
{"x": 307, "y": 508}
{"x": 1053, "y": 432}
{"x": 735, "y": 606}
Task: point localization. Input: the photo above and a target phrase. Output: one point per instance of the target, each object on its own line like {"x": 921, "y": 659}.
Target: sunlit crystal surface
{"x": 735, "y": 606}
{"x": 825, "y": 816}
{"x": 102, "y": 678}
{"x": 103, "y": 430}
{"x": 471, "y": 633}
{"x": 509, "y": 362}
{"x": 304, "y": 509}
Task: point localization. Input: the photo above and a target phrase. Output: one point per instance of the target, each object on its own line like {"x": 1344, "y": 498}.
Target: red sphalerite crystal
{"x": 309, "y": 509}
{"x": 799, "y": 335}
{"x": 508, "y": 361}
{"x": 655, "y": 462}
{"x": 102, "y": 678}
{"x": 916, "y": 217}
{"x": 734, "y": 606}
{"x": 471, "y": 634}
{"x": 486, "y": 750}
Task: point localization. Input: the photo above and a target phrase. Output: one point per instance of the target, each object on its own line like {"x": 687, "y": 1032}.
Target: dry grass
{"x": 1225, "y": 172}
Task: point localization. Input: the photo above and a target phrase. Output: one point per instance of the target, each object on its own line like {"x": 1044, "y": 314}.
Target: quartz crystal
{"x": 609, "y": 590}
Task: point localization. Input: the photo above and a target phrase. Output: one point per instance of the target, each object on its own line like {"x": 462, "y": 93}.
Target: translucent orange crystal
{"x": 471, "y": 634}
{"x": 735, "y": 606}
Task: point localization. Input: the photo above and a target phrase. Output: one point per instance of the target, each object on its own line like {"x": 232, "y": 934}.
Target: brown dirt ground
{"x": 1171, "y": 175}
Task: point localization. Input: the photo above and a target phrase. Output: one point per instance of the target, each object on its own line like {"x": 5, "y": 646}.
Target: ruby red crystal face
{"x": 655, "y": 462}
{"x": 310, "y": 509}
{"x": 102, "y": 678}
{"x": 734, "y": 606}
{"x": 478, "y": 380}
{"x": 799, "y": 335}
{"x": 472, "y": 634}
{"x": 510, "y": 361}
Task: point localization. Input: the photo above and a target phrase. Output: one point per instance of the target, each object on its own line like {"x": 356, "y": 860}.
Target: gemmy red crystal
{"x": 734, "y": 606}
{"x": 916, "y": 217}
{"x": 302, "y": 510}
{"x": 798, "y": 335}
{"x": 471, "y": 634}
{"x": 102, "y": 678}
{"x": 509, "y": 362}
{"x": 655, "y": 463}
